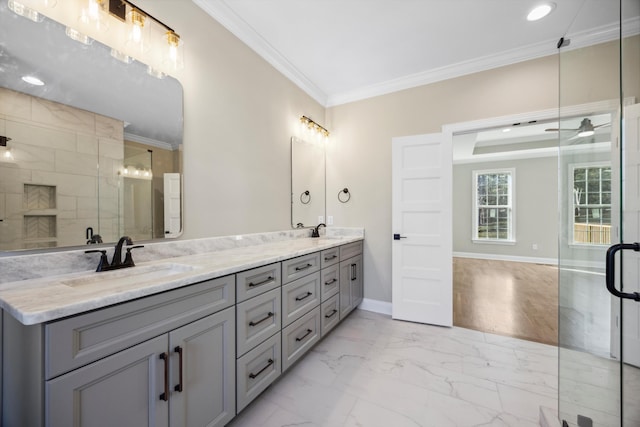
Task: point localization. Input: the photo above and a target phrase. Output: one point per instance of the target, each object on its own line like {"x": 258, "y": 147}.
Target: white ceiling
{"x": 340, "y": 51}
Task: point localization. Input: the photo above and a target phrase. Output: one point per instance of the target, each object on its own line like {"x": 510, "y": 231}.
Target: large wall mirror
{"x": 86, "y": 157}
{"x": 307, "y": 183}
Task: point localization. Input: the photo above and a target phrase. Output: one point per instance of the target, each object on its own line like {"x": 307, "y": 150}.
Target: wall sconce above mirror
{"x": 130, "y": 32}
{"x": 72, "y": 138}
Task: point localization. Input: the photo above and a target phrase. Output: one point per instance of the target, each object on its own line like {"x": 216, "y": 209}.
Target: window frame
{"x": 511, "y": 239}
{"x": 571, "y": 183}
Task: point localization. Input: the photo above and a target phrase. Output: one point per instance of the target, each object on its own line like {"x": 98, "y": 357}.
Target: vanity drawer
{"x": 79, "y": 340}
{"x": 299, "y": 337}
{"x": 257, "y": 280}
{"x": 256, "y": 370}
{"x": 257, "y": 319}
{"x": 299, "y": 297}
{"x": 295, "y": 268}
{"x": 329, "y": 257}
{"x": 330, "y": 314}
{"x": 329, "y": 282}
{"x": 350, "y": 250}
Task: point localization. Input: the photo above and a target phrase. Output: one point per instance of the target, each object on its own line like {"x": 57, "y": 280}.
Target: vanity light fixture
{"x": 129, "y": 31}
{"x": 540, "y": 11}
{"x": 312, "y": 126}
{"x": 7, "y": 156}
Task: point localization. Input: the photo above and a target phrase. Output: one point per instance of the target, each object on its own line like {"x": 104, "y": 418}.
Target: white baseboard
{"x": 377, "y": 306}
{"x": 496, "y": 257}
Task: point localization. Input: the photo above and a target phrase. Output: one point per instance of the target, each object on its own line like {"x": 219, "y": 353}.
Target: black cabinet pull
{"x": 264, "y": 282}
{"x": 268, "y": 316}
{"x": 333, "y": 313}
{"x": 305, "y": 335}
{"x": 253, "y": 376}
{"x": 334, "y": 280}
{"x": 304, "y": 268}
{"x": 165, "y": 358}
{"x": 304, "y": 297}
{"x": 353, "y": 272}
{"x": 330, "y": 258}
{"x": 178, "y": 350}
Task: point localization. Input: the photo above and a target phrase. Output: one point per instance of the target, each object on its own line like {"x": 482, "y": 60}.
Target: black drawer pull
{"x": 178, "y": 387}
{"x": 268, "y": 316}
{"x": 304, "y": 297}
{"x": 330, "y": 282}
{"x": 330, "y": 258}
{"x": 305, "y": 335}
{"x": 304, "y": 268}
{"x": 264, "y": 282}
{"x": 333, "y": 313}
{"x": 165, "y": 395}
{"x": 254, "y": 376}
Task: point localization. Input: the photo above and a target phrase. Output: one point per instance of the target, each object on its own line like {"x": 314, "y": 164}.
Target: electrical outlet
{"x": 330, "y": 220}
{"x": 534, "y": 246}
{"x": 320, "y": 219}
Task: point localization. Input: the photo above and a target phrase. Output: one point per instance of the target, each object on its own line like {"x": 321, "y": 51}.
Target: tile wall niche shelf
{"x": 40, "y": 227}
{"x": 39, "y": 197}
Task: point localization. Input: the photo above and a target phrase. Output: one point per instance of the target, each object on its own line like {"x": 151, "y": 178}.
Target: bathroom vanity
{"x": 185, "y": 341}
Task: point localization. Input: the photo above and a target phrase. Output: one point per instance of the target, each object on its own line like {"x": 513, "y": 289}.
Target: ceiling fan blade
{"x": 602, "y": 125}
{"x": 560, "y": 130}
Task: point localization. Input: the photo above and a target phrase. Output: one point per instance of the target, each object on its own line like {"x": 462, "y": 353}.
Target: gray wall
{"x": 536, "y": 208}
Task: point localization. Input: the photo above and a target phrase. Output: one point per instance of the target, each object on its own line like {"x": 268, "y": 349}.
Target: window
{"x": 493, "y": 205}
{"x": 591, "y": 204}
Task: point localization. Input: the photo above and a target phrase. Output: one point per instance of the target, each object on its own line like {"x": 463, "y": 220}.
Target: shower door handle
{"x": 610, "y": 271}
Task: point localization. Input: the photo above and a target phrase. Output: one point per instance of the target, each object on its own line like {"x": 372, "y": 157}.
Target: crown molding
{"x": 578, "y": 40}
{"x": 149, "y": 141}
{"x": 221, "y": 12}
{"x": 227, "y": 17}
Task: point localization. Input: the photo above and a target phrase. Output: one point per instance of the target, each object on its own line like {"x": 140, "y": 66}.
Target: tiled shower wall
{"x": 65, "y": 169}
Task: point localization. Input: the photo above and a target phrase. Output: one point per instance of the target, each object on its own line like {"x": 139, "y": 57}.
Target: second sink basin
{"x": 129, "y": 276}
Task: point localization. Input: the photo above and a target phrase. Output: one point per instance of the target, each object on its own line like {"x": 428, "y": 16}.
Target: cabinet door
{"x": 346, "y": 271}
{"x": 351, "y": 284}
{"x": 202, "y": 384}
{"x": 122, "y": 390}
{"x": 358, "y": 283}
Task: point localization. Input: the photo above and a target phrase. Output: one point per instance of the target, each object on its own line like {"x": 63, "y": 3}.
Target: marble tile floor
{"x": 372, "y": 371}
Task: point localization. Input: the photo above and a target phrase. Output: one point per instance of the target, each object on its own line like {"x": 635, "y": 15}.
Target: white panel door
{"x": 421, "y": 224}
{"x": 172, "y": 205}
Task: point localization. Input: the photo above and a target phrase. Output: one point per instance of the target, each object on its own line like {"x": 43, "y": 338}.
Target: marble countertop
{"x": 44, "y": 299}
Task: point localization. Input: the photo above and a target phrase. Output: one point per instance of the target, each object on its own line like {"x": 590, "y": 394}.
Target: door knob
{"x": 398, "y": 237}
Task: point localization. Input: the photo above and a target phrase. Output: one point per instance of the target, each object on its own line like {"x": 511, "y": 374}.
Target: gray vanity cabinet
{"x": 180, "y": 379}
{"x": 351, "y": 283}
{"x": 163, "y": 360}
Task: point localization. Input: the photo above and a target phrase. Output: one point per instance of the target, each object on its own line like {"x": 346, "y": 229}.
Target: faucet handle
{"x": 128, "y": 258}
{"x": 104, "y": 261}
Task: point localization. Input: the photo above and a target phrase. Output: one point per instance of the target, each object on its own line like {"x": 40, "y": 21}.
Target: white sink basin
{"x": 129, "y": 276}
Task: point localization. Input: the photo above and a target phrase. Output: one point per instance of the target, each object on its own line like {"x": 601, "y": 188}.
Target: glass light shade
{"x": 95, "y": 14}
{"x": 174, "y": 52}
{"x": 138, "y": 31}
{"x": 24, "y": 11}
{"x": 155, "y": 72}
{"x": 120, "y": 56}
{"x": 76, "y": 35}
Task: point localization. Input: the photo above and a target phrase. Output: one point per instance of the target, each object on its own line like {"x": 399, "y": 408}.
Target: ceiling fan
{"x": 586, "y": 129}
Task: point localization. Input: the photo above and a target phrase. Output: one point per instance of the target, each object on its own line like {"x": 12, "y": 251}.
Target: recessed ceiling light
{"x": 505, "y": 130}
{"x": 540, "y": 11}
{"x": 33, "y": 80}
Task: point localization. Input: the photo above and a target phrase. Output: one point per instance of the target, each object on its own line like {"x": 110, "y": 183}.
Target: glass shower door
{"x": 599, "y": 199}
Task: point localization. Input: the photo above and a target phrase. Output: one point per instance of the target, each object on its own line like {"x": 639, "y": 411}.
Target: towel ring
{"x": 344, "y": 199}
{"x": 305, "y": 197}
